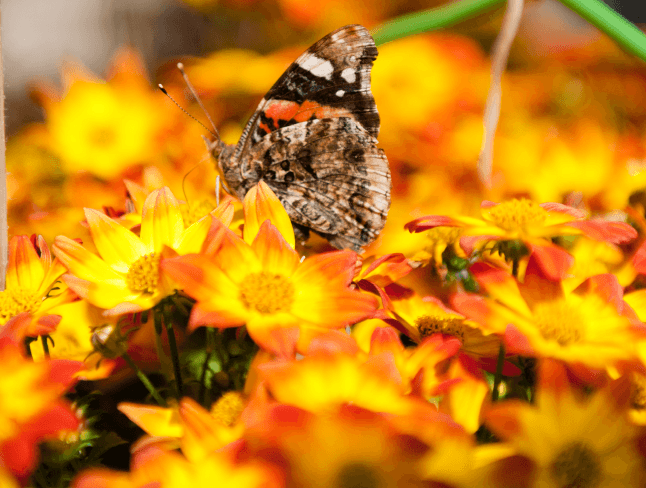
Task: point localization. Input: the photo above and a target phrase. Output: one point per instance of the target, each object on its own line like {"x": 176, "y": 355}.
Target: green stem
{"x": 514, "y": 267}
{"x": 144, "y": 379}
{"x": 174, "y": 354}
{"x": 498, "y": 377}
{"x": 432, "y": 19}
{"x": 624, "y": 32}
{"x": 210, "y": 346}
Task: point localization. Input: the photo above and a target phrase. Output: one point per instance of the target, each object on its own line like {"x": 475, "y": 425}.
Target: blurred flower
{"x": 103, "y": 127}
{"x": 531, "y": 224}
{"x": 571, "y": 440}
{"x": 31, "y": 287}
{"x": 590, "y": 328}
{"x": 127, "y": 278}
{"x": 31, "y": 408}
{"x": 153, "y": 466}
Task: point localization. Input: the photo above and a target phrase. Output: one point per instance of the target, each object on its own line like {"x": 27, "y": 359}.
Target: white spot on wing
{"x": 349, "y": 75}
{"x": 340, "y": 93}
{"x": 317, "y": 66}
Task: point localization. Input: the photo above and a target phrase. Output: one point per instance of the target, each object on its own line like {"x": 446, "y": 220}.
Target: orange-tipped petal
{"x": 118, "y": 246}
{"x": 261, "y": 204}
{"x": 24, "y": 269}
{"x": 604, "y": 230}
{"x": 273, "y": 251}
{"x": 161, "y": 221}
{"x": 82, "y": 262}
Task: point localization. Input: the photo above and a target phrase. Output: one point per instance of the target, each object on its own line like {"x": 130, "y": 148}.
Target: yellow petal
{"x": 24, "y": 269}
{"x": 118, "y": 246}
{"x": 83, "y": 263}
{"x": 156, "y": 421}
{"x": 161, "y": 222}
{"x": 193, "y": 237}
{"x": 261, "y": 204}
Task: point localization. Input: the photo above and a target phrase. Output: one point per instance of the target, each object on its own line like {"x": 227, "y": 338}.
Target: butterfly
{"x": 312, "y": 140}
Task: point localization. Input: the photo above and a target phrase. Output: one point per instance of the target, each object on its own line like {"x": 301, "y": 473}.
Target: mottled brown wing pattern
{"x": 313, "y": 141}
{"x": 329, "y": 175}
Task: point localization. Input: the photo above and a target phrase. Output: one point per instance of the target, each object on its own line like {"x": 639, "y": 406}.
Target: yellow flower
{"x": 571, "y": 440}
{"x": 31, "y": 286}
{"x": 126, "y": 277}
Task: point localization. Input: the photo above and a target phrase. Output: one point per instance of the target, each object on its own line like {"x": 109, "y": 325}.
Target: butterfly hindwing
{"x": 330, "y": 177}
{"x": 331, "y": 79}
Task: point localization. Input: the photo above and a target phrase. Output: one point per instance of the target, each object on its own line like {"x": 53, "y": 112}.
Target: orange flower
{"x": 32, "y": 277}
{"x": 533, "y": 225}
{"x": 127, "y": 278}
{"x": 590, "y": 328}
{"x": 265, "y": 286}
{"x": 31, "y": 408}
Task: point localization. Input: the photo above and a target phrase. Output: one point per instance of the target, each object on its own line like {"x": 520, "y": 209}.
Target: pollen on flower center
{"x": 143, "y": 274}
{"x": 267, "y": 293}
{"x": 576, "y": 466}
{"x": 433, "y": 324}
{"x": 228, "y": 408}
{"x": 517, "y": 214}
{"x": 17, "y": 300}
{"x": 558, "y": 321}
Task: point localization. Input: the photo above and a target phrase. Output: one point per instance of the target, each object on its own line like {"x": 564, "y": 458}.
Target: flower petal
{"x": 83, "y": 263}
{"x": 273, "y": 251}
{"x": 161, "y": 221}
{"x": 118, "y": 246}
{"x": 261, "y": 204}
{"x": 24, "y": 269}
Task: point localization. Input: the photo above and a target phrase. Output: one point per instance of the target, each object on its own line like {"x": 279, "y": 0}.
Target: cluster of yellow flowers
{"x": 501, "y": 350}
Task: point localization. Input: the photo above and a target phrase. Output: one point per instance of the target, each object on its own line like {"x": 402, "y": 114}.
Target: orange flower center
{"x": 17, "y": 300}
{"x": 433, "y": 324}
{"x": 558, "y": 321}
{"x": 193, "y": 212}
{"x": 576, "y": 466}
{"x": 267, "y": 293}
{"x": 228, "y": 408}
{"x": 143, "y": 275}
{"x": 517, "y": 214}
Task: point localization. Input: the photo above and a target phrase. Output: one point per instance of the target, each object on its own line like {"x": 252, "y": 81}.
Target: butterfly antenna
{"x": 180, "y": 67}
{"x": 163, "y": 90}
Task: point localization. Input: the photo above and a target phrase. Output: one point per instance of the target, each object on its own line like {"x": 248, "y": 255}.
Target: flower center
{"x": 434, "y": 324}
{"x": 517, "y": 214}
{"x": 576, "y": 466}
{"x": 228, "y": 408}
{"x": 102, "y": 137}
{"x": 195, "y": 211}
{"x": 558, "y": 321}
{"x": 15, "y": 301}
{"x": 356, "y": 475}
{"x": 267, "y": 293}
{"x": 143, "y": 274}
{"x": 444, "y": 235}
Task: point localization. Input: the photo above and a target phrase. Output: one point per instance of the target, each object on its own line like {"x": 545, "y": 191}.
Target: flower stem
{"x": 144, "y": 379}
{"x": 498, "y": 377}
{"x": 174, "y": 354}
{"x": 622, "y": 31}
{"x": 432, "y": 19}
{"x": 43, "y": 339}
{"x": 210, "y": 346}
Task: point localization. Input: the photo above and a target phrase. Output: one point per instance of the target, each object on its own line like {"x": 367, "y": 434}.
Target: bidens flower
{"x": 265, "y": 286}
{"x": 126, "y": 277}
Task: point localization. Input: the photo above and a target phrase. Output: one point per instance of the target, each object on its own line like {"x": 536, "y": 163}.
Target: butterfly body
{"x": 313, "y": 141}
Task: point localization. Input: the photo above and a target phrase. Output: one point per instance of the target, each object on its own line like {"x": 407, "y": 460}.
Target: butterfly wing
{"x": 330, "y": 177}
{"x": 329, "y": 80}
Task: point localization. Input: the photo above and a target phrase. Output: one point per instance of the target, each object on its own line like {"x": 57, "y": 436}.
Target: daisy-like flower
{"x": 126, "y": 276}
{"x": 529, "y": 223}
{"x": 590, "y": 328}
{"x": 265, "y": 286}
{"x": 31, "y": 408}
{"x": 569, "y": 439}
{"x": 32, "y": 277}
